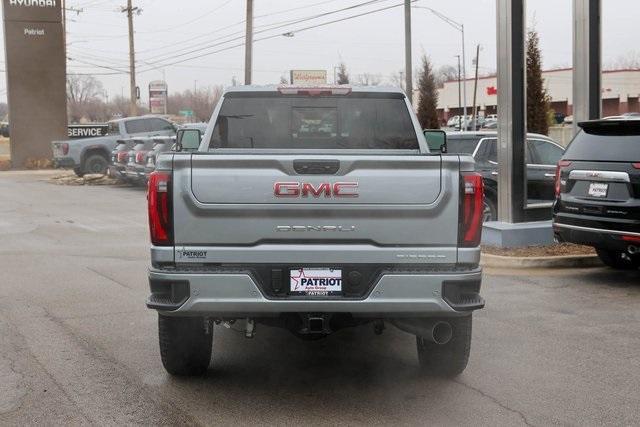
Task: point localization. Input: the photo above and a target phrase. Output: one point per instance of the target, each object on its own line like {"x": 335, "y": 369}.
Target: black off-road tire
{"x": 615, "y": 260}
{"x": 185, "y": 345}
{"x": 450, "y": 359}
{"x": 95, "y": 164}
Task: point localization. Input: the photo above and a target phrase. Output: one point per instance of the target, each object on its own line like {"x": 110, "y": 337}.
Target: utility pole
{"x": 464, "y": 75}
{"x": 132, "y": 58}
{"x": 459, "y": 95}
{"x": 248, "y": 53}
{"x": 475, "y": 90}
{"x": 78, "y": 11}
{"x": 407, "y": 47}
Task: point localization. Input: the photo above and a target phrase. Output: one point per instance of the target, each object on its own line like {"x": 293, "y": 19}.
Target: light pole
{"x": 459, "y": 27}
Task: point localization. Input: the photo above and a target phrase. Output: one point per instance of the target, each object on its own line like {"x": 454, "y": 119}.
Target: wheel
{"x": 617, "y": 259}
{"x": 185, "y": 345}
{"x": 78, "y": 171}
{"x": 450, "y": 359}
{"x": 489, "y": 211}
{"x": 96, "y": 164}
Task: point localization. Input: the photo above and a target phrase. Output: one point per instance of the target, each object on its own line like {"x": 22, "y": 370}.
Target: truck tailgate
{"x": 403, "y": 202}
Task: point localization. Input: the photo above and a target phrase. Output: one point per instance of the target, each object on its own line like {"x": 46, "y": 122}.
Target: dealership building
{"x": 620, "y": 91}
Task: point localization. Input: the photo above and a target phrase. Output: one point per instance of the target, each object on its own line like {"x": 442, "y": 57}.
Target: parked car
{"x": 271, "y": 225}
{"x": 454, "y": 122}
{"x": 598, "y": 191}
{"x": 120, "y": 157}
{"x": 542, "y": 155}
{"x": 161, "y": 144}
{"x": 93, "y": 155}
{"x": 490, "y": 125}
{"x": 135, "y": 169}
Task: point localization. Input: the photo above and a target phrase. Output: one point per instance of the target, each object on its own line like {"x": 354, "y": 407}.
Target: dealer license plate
{"x": 315, "y": 282}
{"x": 598, "y": 189}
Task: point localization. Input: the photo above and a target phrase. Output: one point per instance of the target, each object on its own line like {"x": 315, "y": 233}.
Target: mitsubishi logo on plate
{"x": 307, "y": 189}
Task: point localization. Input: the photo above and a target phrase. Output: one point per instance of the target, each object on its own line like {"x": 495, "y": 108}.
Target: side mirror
{"x": 436, "y": 140}
{"x": 188, "y": 139}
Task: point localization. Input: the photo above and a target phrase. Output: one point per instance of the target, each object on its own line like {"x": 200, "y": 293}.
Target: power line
{"x": 280, "y": 35}
{"x": 177, "y": 54}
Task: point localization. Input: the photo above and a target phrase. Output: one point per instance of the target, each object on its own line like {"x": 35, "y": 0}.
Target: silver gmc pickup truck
{"x": 314, "y": 209}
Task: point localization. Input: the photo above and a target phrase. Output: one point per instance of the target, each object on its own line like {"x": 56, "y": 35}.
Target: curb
{"x": 567, "y": 261}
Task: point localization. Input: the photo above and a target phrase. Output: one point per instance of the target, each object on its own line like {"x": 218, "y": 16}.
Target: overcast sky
{"x": 168, "y": 31}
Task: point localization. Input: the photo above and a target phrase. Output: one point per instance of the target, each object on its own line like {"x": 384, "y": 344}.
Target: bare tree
{"x": 4, "y": 110}
{"x": 628, "y": 61}
{"x": 446, "y": 73}
{"x": 397, "y": 79}
{"x": 368, "y": 79}
{"x": 82, "y": 91}
{"x": 202, "y": 102}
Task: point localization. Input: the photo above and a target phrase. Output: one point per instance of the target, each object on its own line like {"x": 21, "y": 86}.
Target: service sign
{"x": 309, "y": 77}
{"x": 87, "y": 131}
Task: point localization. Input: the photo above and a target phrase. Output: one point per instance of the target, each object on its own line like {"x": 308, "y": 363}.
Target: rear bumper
{"x": 135, "y": 172}
{"x": 236, "y": 294}
{"x": 596, "y": 237}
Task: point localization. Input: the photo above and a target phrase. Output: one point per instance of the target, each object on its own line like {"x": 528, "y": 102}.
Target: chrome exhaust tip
{"x": 441, "y": 333}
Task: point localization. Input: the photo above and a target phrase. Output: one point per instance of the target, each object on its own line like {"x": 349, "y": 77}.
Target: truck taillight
{"x": 561, "y": 164}
{"x": 471, "y": 209}
{"x": 65, "y": 148}
{"x": 160, "y": 209}
{"x": 140, "y": 157}
{"x": 122, "y": 156}
{"x": 636, "y": 165}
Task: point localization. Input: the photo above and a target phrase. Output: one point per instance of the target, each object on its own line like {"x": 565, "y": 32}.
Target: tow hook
{"x": 250, "y": 328}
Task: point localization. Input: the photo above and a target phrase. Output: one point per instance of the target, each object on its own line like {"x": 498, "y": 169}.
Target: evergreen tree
{"x": 537, "y": 98}
{"x": 428, "y": 103}
{"x": 343, "y": 75}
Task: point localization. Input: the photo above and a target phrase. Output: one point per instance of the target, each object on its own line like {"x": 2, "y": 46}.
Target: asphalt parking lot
{"x": 78, "y": 346}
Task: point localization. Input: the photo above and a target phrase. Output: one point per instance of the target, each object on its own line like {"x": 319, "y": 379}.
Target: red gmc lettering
{"x": 306, "y": 189}
{"x": 286, "y": 189}
{"x": 345, "y": 189}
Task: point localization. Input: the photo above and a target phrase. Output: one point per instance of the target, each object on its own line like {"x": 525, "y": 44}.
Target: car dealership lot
{"x": 551, "y": 346}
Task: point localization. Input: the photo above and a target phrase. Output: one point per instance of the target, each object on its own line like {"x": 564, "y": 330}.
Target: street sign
{"x": 309, "y": 77}
{"x": 186, "y": 113}
{"x": 158, "y": 93}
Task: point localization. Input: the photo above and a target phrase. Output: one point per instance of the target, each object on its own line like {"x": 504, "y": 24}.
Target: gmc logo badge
{"x": 325, "y": 189}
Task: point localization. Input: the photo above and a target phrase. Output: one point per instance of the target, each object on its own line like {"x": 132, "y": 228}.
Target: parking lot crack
{"x": 111, "y": 279}
{"x": 496, "y": 401}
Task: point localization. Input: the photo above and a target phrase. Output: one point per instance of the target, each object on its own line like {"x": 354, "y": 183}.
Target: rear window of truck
{"x": 606, "y": 142}
{"x": 351, "y": 122}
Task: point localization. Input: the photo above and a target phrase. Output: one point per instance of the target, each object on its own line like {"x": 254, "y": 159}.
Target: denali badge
{"x": 315, "y": 228}
{"x": 306, "y": 189}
